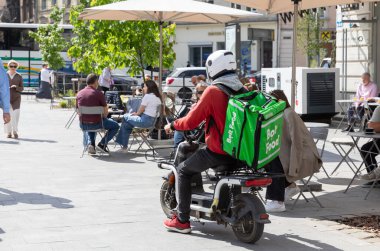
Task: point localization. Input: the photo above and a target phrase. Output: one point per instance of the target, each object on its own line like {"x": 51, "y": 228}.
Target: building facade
{"x": 195, "y": 42}
{"x": 357, "y": 43}
{"x": 32, "y": 11}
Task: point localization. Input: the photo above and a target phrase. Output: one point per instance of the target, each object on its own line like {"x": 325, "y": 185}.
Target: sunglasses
{"x": 13, "y": 66}
{"x": 200, "y": 92}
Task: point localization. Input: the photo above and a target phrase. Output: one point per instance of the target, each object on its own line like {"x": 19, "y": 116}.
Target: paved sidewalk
{"x": 51, "y": 199}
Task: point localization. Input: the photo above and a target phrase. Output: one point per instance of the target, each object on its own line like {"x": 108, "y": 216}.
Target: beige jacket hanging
{"x": 299, "y": 155}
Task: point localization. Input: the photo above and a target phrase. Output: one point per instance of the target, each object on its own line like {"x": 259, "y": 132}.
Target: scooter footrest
{"x": 203, "y": 199}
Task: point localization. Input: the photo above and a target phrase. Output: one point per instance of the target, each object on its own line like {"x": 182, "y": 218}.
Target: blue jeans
{"x": 178, "y": 138}
{"x": 89, "y": 137}
{"x": 351, "y": 113}
{"x": 127, "y": 125}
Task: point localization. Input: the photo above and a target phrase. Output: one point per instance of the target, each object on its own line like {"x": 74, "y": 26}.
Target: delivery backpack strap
{"x": 229, "y": 92}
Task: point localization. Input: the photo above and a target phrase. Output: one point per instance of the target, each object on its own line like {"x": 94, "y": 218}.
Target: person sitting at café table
{"x": 369, "y": 151}
{"x": 366, "y": 90}
{"x": 299, "y": 158}
{"x": 91, "y": 96}
{"x": 144, "y": 117}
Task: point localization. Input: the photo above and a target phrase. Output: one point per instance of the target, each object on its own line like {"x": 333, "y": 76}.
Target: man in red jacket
{"x": 221, "y": 68}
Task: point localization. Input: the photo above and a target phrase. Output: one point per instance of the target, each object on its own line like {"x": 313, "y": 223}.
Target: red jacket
{"x": 213, "y": 103}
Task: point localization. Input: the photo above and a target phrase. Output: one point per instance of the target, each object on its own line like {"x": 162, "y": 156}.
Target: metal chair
{"x": 308, "y": 189}
{"x": 92, "y": 110}
{"x": 338, "y": 144}
{"x": 144, "y": 133}
{"x": 320, "y": 134}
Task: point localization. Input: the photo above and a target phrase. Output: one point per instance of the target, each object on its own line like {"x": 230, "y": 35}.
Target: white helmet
{"x": 220, "y": 63}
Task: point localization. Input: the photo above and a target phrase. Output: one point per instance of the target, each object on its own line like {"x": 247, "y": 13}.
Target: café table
{"x": 316, "y": 125}
{"x": 356, "y": 136}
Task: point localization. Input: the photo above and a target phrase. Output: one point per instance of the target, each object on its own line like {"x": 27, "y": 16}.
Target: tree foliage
{"x": 119, "y": 44}
{"x": 51, "y": 40}
{"x": 308, "y": 35}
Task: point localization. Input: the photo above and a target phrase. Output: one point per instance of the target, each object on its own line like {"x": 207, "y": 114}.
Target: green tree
{"x": 51, "y": 41}
{"x": 119, "y": 44}
{"x": 308, "y": 36}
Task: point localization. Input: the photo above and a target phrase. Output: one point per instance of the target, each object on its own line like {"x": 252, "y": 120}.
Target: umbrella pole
{"x": 294, "y": 81}
{"x": 160, "y": 73}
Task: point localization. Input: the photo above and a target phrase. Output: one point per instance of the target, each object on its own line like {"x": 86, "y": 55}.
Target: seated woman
{"x": 144, "y": 117}
{"x": 299, "y": 158}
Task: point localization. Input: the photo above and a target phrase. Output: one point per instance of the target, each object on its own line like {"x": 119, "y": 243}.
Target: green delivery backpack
{"x": 253, "y": 127}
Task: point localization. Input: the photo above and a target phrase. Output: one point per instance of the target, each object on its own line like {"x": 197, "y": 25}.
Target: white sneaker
{"x": 291, "y": 191}
{"x": 91, "y": 149}
{"x": 122, "y": 150}
{"x": 274, "y": 206}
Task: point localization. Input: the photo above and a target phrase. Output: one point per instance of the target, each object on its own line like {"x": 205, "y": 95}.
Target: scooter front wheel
{"x": 246, "y": 229}
{"x": 167, "y": 198}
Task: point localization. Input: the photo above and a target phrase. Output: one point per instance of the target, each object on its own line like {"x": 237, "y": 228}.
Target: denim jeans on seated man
{"x": 353, "y": 112}
{"x": 127, "y": 125}
{"x": 109, "y": 125}
{"x": 178, "y": 138}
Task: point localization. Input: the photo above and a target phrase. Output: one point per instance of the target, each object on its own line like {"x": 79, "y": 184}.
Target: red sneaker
{"x": 175, "y": 225}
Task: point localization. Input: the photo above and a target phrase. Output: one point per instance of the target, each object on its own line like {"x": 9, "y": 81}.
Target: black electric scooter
{"x": 234, "y": 200}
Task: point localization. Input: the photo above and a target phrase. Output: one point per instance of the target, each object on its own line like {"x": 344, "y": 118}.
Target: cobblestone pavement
{"x": 51, "y": 199}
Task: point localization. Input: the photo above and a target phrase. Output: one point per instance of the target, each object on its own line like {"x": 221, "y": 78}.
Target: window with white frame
{"x": 199, "y": 54}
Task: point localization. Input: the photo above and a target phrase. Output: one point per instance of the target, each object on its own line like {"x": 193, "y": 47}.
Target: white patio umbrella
{"x": 183, "y": 11}
{"x": 281, "y": 6}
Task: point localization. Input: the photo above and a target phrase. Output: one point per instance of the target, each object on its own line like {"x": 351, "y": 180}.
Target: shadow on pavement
{"x": 297, "y": 242}
{"x": 9, "y": 142}
{"x": 121, "y": 158}
{"x": 335, "y": 181}
{"x": 267, "y": 242}
{"x": 1, "y": 232}
{"x": 9, "y": 198}
{"x": 334, "y": 203}
{"x": 333, "y": 157}
{"x": 38, "y": 140}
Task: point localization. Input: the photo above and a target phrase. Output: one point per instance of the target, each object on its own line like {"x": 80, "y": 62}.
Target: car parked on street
{"x": 255, "y": 78}
{"x": 179, "y": 81}
{"x": 124, "y": 83}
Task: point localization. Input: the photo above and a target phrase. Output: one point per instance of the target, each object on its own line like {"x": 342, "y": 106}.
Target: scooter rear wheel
{"x": 167, "y": 198}
{"x": 247, "y": 229}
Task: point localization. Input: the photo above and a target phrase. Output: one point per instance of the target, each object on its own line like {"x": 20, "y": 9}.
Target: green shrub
{"x": 70, "y": 93}
{"x": 63, "y": 104}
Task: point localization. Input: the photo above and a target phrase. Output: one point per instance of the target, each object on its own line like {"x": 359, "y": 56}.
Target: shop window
{"x": 43, "y": 4}
{"x": 199, "y": 54}
{"x": 220, "y": 46}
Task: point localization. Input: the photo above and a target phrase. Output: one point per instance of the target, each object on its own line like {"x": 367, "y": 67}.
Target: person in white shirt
{"x": 105, "y": 80}
{"x": 144, "y": 117}
{"x": 45, "y": 87}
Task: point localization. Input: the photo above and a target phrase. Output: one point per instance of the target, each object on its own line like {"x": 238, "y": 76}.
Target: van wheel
{"x": 185, "y": 93}
{"x": 246, "y": 229}
{"x": 167, "y": 198}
